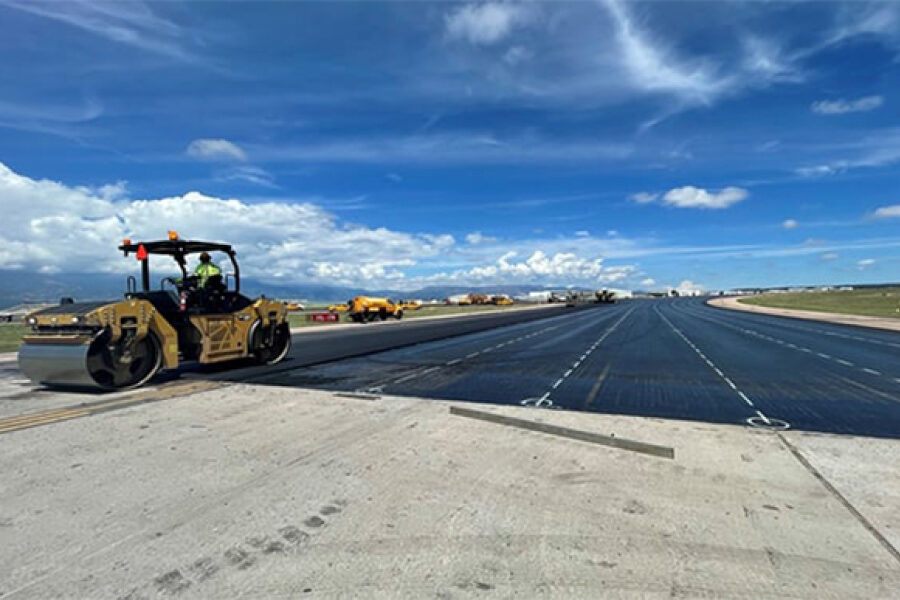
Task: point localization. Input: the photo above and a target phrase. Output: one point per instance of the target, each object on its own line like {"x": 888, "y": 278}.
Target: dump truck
{"x": 501, "y": 300}
{"x": 363, "y": 309}
{"x": 479, "y": 299}
{"x": 121, "y": 344}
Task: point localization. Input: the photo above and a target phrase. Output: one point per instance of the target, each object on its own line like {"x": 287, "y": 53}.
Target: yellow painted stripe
{"x": 64, "y": 414}
{"x": 43, "y": 421}
{"x": 32, "y": 416}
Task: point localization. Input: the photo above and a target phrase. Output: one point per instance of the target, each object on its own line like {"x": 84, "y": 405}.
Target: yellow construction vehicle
{"x": 502, "y": 300}
{"x": 410, "y": 304}
{"x": 123, "y": 344}
{"x": 362, "y": 309}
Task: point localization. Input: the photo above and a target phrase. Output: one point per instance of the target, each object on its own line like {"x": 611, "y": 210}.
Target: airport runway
{"x": 676, "y": 358}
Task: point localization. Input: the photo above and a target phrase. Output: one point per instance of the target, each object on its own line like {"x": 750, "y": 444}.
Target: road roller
{"x": 122, "y": 344}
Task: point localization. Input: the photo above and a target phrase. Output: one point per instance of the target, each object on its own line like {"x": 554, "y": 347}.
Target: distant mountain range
{"x": 23, "y": 286}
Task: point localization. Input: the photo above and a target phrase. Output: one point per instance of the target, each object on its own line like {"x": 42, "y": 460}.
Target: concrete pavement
{"x": 264, "y": 491}
{"x": 351, "y": 478}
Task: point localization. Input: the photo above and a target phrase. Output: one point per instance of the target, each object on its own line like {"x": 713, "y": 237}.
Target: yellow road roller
{"x": 122, "y": 344}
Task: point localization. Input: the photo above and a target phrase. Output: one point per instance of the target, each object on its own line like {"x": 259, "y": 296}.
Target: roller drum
{"x": 57, "y": 365}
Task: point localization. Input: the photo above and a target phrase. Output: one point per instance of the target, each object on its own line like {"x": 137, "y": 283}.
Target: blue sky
{"x": 631, "y": 144}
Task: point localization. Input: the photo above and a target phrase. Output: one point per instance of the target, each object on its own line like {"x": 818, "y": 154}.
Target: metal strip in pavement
{"x": 575, "y": 434}
{"x": 841, "y": 498}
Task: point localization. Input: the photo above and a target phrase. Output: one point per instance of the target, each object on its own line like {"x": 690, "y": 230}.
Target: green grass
{"x": 298, "y": 319}
{"x": 11, "y": 337}
{"x": 874, "y": 302}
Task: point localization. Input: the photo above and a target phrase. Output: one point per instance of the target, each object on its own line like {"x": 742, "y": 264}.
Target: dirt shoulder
{"x": 857, "y": 320}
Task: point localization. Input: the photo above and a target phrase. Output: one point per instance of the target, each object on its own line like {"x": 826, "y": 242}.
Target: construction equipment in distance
{"x": 123, "y": 344}
{"x": 605, "y": 296}
{"x": 501, "y": 300}
{"x": 363, "y": 309}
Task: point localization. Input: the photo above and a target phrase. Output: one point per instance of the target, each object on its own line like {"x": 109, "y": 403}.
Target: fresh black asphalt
{"x": 673, "y": 358}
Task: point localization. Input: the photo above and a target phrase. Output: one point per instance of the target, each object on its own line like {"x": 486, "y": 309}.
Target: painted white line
{"x": 846, "y": 363}
{"x": 823, "y": 355}
{"x": 455, "y": 361}
{"x": 871, "y": 371}
{"x": 473, "y": 354}
{"x": 714, "y": 367}
{"x": 557, "y": 384}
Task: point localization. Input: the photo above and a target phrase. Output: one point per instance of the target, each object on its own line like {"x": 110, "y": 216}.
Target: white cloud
{"x": 215, "y": 149}
{"x": 55, "y": 227}
{"x": 52, "y": 227}
{"x": 476, "y": 237}
{"x": 485, "y": 23}
{"x": 816, "y": 171}
{"x": 539, "y": 267}
{"x": 840, "y": 107}
{"x": 789, "y": 224}
{"x": 128, "y": 23}
{"x": 865, "y": 263}
{"x": 249, "y": 174}
{"x": 582, "y": 233}
{"x": 649, "y": 281}
{"x": 653, "y": 68}
{"x": 888, "y": 212}
{"x": 687, "y": 287}
{"x": 644, "y": 197}
{"x": 829, "y": 256}
{"x": 693, "y": 197}
{"x": 516, "y": 55}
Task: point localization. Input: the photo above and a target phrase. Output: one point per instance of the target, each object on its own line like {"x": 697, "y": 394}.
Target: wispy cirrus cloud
{"x": 841, "y": 106}
{"x": 131, "y": 23}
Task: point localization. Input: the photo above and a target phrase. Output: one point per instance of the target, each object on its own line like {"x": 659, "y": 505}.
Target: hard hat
{"x": 204, "y": 257}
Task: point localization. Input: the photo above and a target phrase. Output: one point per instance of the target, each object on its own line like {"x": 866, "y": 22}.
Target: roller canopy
{"x": 177, "y": 247}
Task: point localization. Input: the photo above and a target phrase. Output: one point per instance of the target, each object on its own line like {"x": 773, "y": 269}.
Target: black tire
{"x": 270, "y": 347}
{"x": 399, "y": 315}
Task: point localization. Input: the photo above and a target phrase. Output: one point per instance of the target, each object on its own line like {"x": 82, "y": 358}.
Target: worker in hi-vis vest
{"x": 206, "y": 269}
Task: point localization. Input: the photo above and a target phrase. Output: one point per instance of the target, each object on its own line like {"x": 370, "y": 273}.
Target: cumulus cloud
{"x": 829, "y": 256}
{"x": 888, "y": 212}
{"x": 55, "y": 227}
{"x": 789, "y": 224}
{"x": 561, "y": 267}
{"x": 865, "y": 263}
{"x": 689, "y": 287}
{"x": 215, "y": 150}
{"x": 52, "y": 227}
{"x": 840, "y": 107}
{"x": 693, "y": 197}
{"x": 485, "y": 23}
{"x": 648, "y": 281}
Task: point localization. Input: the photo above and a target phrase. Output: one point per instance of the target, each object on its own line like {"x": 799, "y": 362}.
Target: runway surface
{"x": 676, "y": 358}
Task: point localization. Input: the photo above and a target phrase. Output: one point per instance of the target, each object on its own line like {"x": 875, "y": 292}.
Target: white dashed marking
{"x": 718, "y": 371}
{"x": 544, "y": 401}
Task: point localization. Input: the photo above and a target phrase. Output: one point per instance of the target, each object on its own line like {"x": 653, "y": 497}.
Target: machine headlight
{"x": 76, "y": 320}
{"x": 32, "y": 320}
